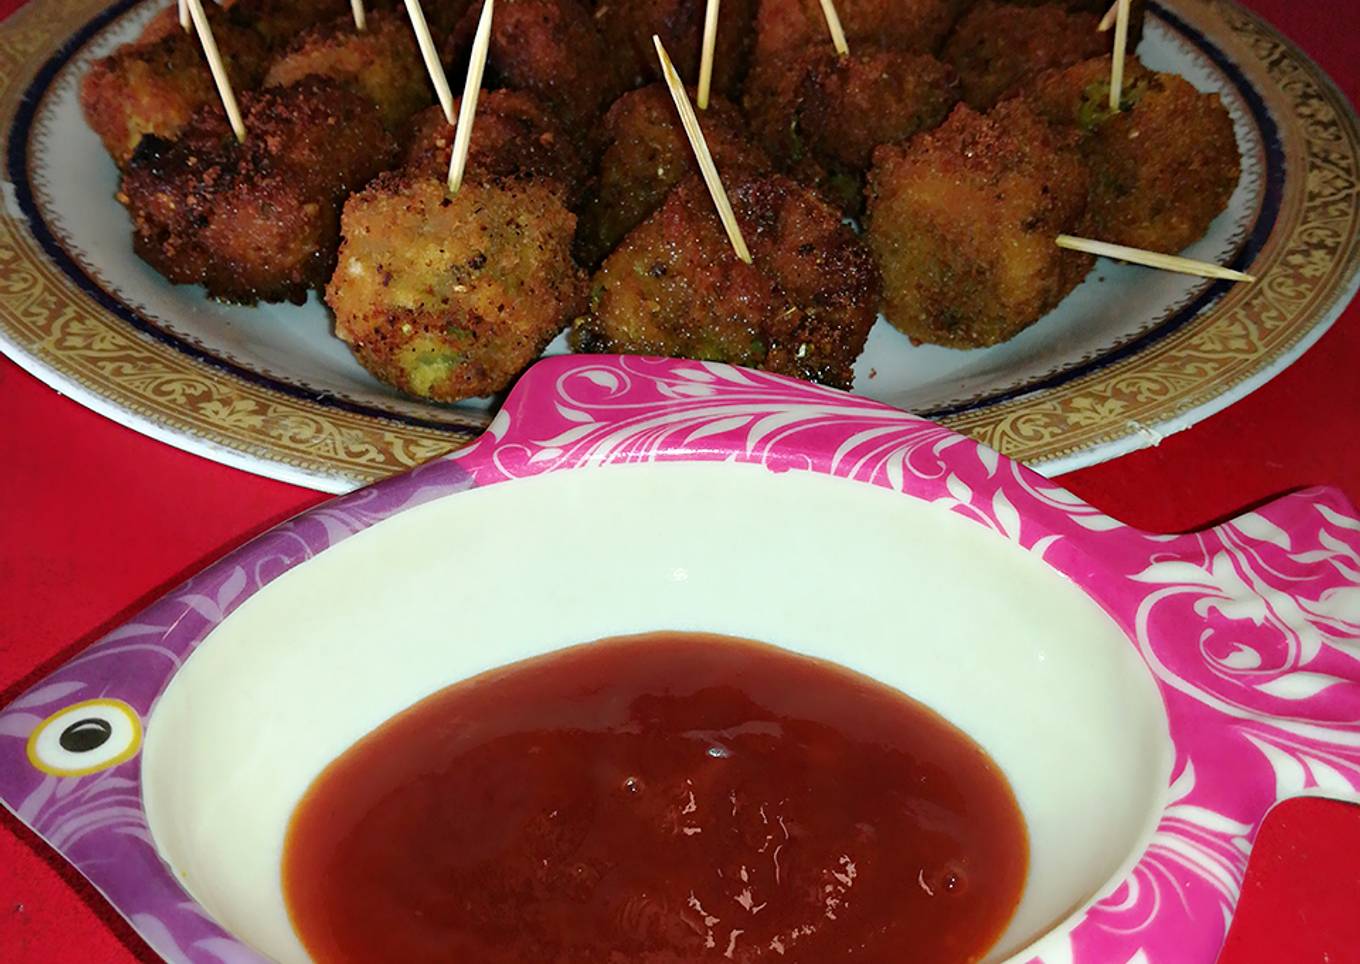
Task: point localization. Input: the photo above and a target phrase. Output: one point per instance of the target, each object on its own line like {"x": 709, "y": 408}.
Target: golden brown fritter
{"x": 550, "y": 48}
{"x": 1162, "y": 168}
{"x": 1137, "y": 12}
{"x": 998, "y": 47}
{"x": 450, "y": 297}
{"x": 154, "y": 86}
{"x": 628, "y": 25}
{"x": 674, "y": 287}
{"x": 513, "y": 137}
{"x": 963, "y": 220}
{"x": 166, "y": 22}
{"x": 257, "y": 221}
{"x": 785, "y": 28}
{"x": 826, "y": 116}
{"x": 280, "y": 21}
{"x": 647, "y": 153}
{"x": 382, "y": 62}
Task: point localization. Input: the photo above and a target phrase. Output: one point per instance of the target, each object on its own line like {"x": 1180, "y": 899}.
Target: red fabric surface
{"x": 96, "y": 520}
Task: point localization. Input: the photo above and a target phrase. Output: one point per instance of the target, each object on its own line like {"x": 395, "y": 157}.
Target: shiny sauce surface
{"x": 658, "y": 799}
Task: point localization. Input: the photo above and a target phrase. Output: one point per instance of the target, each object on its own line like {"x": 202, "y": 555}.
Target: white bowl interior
{"x": 918, "y": 597}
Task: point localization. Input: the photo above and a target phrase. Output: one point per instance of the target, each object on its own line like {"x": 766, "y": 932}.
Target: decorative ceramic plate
{"x": 1148, "y": 697}
{"x": 1132, "y": 355}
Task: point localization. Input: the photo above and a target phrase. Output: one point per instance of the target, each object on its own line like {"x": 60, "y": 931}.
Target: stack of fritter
{"x": 965, "y": 134}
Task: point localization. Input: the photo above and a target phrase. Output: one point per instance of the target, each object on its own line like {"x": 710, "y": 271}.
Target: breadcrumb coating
{"x": 1162, "y": 168}
{"x": 998, "y": 47}
{"x": 963, "y": 220}
{"x": 259, "y": 220}
{"x": 826, "y": 115}
{"x": 154, "y": 85}
{"x": 381, "y": 62}
{"x": 451, "y": 296}
{"x": 646, "y": 154}
{"x": 627, "y": 27}
{"x": 803, "y": 307}
{"x": 516, "y": 136}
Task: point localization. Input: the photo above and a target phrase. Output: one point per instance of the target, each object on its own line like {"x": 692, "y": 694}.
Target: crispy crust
{"x": 647, "y": 153}
{"x": 674, "y": 287}
{"x": 256, "y": 221}
{"x": 627, "y": 28}
{"x": 515, "y": 137}
{"x": 1162, "y": 168}
{"x": 962, "y": 221}
{"x": 280, "y": 21}
{"x": 452, "y": 297}
{"x": 552, "y": 49}
{"x": 998, "y": 47}
{"x": 785, "y": 28}
{"x": 823, "y": 119}
{"x": 1137, "y": 13}
{"x": 382, "y": 63}
{"x": 154, "y": 85}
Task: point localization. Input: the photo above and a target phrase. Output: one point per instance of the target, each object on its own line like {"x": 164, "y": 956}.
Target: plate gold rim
{"x": 1307, "y": 271}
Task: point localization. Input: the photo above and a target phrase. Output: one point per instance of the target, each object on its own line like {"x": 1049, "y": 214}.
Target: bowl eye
{"x": 85, "y": 738}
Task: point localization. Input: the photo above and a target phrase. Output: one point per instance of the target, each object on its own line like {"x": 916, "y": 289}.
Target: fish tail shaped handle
{"x": 1252, "y": 632}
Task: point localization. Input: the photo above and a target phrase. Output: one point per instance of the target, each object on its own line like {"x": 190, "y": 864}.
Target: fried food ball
{"x": 963, "y": 222}
{"x": 1162, "y": 167}
{"x": 628, "y": 25}
{"x": 450, "y": 297}
{"x": 828, "y": 113}
{"x": 166, "y": 22}
{"x": 550, "y": 48}
{"x": 674, "y": 287}
{"x": 998, "y": 47}
{"x": 381, "y": 62}
{"x": 280, "y": 21}
{"x": 255, "y": 221}
{"x": 785, "y": 28}
{"x": 647, "y": 153}
{"x": 153, "y": 86}
{"x": 1137, "y": 13}
{"x": 513, "y": 136}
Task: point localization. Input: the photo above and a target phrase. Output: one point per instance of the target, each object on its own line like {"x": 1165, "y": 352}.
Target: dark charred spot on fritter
{"x": 256, "y": 220}
{"x": 674, "y": 286}
{"x": 156, "y": 83}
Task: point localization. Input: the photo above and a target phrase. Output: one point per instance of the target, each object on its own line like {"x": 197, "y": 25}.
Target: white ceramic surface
{"x": 290, "y": 350}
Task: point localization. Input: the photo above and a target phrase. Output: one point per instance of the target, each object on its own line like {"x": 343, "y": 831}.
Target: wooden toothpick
{"x": 702, "y": 154}
{"x": 1121, "y": 41}
{"x": 467, "y": 109}
{"x": 186, "y": 22}
{"x": 1152, "y": 259}
{"x": 1107, "y": 21}
{"x": 706, "y": 60}
{"x": 357, "y": 7}
{"x": 219, "y": 71}
{"x": 833, "y": 23}
{"x": 431, "y": 57}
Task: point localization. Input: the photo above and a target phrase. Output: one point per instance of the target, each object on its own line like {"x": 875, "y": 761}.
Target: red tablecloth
{"x": 95, "y": 521}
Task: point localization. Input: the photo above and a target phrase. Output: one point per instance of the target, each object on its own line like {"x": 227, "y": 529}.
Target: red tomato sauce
{"x": 658, "y": 799}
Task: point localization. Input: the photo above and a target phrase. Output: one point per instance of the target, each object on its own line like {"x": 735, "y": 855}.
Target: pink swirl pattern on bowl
{"x": 1251, "y": 629}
